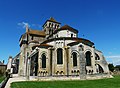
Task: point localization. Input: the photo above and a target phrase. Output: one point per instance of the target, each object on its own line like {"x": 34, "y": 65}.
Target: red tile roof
{"x": 42, "y": 45}
{"x": 37, "y": 32}
{"x": 79, "y": 40}
{"x": 33, "y": 41}
{"x": 67, "y": 27}
{"x": 51, "y": 20}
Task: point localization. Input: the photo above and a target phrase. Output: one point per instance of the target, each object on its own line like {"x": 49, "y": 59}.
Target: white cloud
{"x": 113, "y": 59}
{"x": 23, "y": 24}
{"x": 117, "y": 56}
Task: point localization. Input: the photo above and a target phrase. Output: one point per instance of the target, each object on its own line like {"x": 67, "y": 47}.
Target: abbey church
{"x": 58, "y": 51}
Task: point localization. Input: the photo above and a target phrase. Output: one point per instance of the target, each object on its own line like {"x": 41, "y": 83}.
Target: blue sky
{"x": 97, "y": 20}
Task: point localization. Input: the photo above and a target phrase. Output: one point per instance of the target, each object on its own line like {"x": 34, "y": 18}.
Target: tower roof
{"x": 51, "y": 20}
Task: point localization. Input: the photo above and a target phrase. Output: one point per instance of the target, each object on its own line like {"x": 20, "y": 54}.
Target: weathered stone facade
{"x": 57, "y": 51}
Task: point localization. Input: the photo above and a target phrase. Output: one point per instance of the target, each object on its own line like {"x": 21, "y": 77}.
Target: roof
{"x": 79, "y": 40}
{"x": 36, "y": 32}
{"x": 33, "y": 41}
{"x": 67, "y": 27}
{"x": 51, "y": 20}
{"x": 44, "y": 45}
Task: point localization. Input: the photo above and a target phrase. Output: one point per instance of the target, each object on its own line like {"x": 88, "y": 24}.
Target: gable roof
{"x": 36, "y": 32}
{"x": 66, "y": 27}
{"x": 33, "y": 32}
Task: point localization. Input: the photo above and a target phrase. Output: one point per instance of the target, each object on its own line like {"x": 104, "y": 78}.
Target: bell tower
{"x": 50, "y": 26}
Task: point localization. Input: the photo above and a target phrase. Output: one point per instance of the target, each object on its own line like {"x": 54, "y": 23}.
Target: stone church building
{"x": 58, "y": 51}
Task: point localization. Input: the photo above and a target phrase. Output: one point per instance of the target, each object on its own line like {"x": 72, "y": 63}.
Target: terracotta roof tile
{"x": 33, "y": 41}
{"x": 66, "y": 27}
{"x": 42, "y": 45}
{"x": 36, "y": 32}
{"x": 52, "y": 19}
{"x": 69, "y": 28}
{"x": 80, "y": 40}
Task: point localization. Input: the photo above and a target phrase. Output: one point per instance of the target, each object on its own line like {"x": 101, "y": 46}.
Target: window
{"x": 74, "y": 54}
{"x": 88, "y": 58}
{"x": 97, "y": 56}
{"x": 56, "y": 36}
{"x": 31, "y": 37}
{"x": 57, "y": 26}
{"x": 59, "y": 56}
{"x": 52, "y": 25}
{"x": 71, "y": 35}
{"x": 27, "y": 54}
{"x": 49, "y": 24}
{"x": 43, "y": 61}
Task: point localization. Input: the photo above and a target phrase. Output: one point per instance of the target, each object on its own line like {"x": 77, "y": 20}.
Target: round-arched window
{"x": 88, "y": 58}
{"x": 43, "y": 61}
{"x": 74, "y": 54}
{"x": 59, "y": 56}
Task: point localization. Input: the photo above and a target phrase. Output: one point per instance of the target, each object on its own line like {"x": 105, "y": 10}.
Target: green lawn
{"x": 102, "y": 83}
{"x": 1, "y": 78}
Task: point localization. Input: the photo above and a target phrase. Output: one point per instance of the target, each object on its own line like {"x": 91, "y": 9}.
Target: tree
{"x": 111, "y": 67}
{"x": 117, "y": 67}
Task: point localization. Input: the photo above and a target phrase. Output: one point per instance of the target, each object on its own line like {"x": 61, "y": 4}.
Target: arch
{"x": 88, "y": 58}
{"x": 49, "y": 24}
{"x": 74, "y": 55}
{"x": 43, "y": 60}
{"x": 97, "y": 56}
{"x": 59, "y": 56}
{"x": 81, "y": 47}
{"x": 100, "y": 69}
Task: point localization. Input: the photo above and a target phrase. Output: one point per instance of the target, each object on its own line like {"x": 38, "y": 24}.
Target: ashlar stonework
{"x": 57, "y": 51}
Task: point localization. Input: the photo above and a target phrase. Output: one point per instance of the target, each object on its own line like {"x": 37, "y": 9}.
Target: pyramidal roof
{"x": 52, "y": 19}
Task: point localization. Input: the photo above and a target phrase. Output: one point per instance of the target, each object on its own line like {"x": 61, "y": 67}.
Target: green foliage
{"x": 101, "y": 83}
{"x": 118, "y": 67}
{"x": 111, "y": 67}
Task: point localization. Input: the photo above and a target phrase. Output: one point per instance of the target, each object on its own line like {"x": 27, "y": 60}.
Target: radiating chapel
{"x": 57, "y": 50}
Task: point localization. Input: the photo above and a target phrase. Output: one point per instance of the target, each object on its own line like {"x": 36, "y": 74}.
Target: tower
{"x": 50, "y": 26}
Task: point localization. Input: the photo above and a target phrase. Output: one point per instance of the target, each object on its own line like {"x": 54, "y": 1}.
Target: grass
{"x": 1, "y": 78}
{"x": 101, "y": 83}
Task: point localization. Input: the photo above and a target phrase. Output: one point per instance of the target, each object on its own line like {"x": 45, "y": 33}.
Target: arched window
{"x": 71, "y": 35}
{"x": 57, "y": 26}
{"x": 43, "y": 61}
{"x": 74, "y": 54}
{"x": 100, "y": 69}
{"x": 59, "y": 56}
{"x": 88, "y": 58}
{"x": 97, "y": 56}
{"x": 49, "y": 24}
